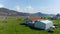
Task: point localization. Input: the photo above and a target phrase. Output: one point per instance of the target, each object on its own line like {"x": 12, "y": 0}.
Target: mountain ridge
{"x": 8, "y": 12}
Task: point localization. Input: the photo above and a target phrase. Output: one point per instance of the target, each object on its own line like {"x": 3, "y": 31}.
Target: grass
{"x": 13, "y": 26}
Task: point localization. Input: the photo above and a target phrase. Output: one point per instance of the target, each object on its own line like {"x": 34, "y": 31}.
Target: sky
{"x": 32, "y": 6}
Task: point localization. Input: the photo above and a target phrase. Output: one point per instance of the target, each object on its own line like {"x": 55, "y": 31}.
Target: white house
{"x": 39, "y": 23}
{"x": 43, "y": 24}
{"x": 31, "y": 20}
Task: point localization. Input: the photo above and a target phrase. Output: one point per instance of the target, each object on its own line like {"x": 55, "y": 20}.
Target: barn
{"x": 43, "y": 24}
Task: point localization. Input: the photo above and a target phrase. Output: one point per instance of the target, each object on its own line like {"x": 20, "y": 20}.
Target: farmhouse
{"x": 43, "y": 24}
{"x": 31, "y": 20}
{"x": 39, "y": 23}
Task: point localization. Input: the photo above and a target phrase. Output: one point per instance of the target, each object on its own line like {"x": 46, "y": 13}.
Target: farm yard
{"x": 12, "y": 25}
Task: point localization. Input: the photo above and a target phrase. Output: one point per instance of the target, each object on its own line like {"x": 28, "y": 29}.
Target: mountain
{"x": 5, "y": 11}
{"x": 43, "y": 14}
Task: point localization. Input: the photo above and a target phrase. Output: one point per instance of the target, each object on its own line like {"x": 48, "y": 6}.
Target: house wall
{"x": 27, "y": 21}
{"x": 48, "y": 25}
{"x": 39, "y": 25}
{"x": 44, "y": 26}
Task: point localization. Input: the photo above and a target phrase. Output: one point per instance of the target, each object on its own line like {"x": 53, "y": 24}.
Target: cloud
{"x": 29, "y": 9}
{"x": 49, "y": 10}
{"x": 1, "y": 5}
{"x": 17, "y": 8}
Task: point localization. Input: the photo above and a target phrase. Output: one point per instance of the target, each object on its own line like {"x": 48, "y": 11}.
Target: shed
{"x": 43, "y": 24}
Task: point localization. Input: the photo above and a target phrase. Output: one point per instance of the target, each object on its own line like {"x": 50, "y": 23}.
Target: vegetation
{"x": 13, "y": 26}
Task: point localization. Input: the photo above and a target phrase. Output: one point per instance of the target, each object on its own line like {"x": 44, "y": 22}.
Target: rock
{"x": 51, "y": 31}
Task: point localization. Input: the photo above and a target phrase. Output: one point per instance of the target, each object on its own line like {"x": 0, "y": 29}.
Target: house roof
{"x": 46, "y": 21}
{"x": 34, "y": 19}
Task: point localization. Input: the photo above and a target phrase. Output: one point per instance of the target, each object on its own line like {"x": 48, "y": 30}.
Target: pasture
{"x": 12, "y": 25}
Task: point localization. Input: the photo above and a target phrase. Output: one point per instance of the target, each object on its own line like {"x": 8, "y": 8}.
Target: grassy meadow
{"x": 12, "y": 25}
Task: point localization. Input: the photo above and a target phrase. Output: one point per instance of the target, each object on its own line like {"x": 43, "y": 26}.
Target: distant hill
{"x": 5, "y": 11}
{"x": 42, "y": 14}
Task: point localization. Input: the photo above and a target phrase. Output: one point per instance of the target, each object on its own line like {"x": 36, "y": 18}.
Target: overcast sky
{"x": 32, "y": 6}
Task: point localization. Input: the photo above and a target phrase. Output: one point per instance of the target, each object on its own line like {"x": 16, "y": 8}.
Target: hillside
{"x": 43, "y": 14}
{"x": 5, "y": 11}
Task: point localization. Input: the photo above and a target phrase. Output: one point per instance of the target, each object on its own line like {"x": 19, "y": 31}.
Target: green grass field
{"x": 13, "y": 26}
